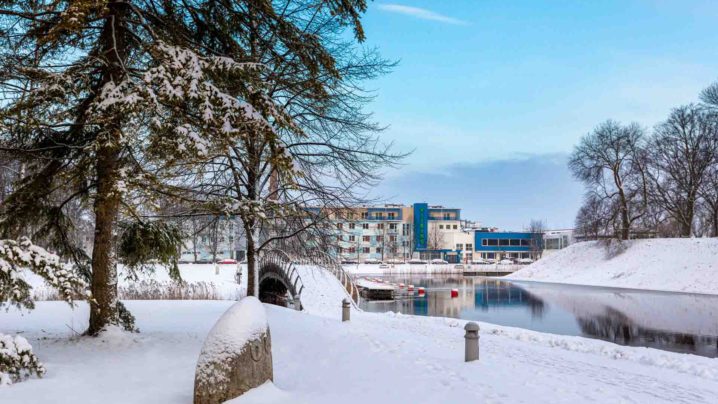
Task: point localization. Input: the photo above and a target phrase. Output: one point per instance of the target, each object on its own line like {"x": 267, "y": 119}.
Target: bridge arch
{"x": 279, "y": 281}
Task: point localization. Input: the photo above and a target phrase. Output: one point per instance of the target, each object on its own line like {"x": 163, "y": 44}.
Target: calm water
{"x": 677, "y": 322}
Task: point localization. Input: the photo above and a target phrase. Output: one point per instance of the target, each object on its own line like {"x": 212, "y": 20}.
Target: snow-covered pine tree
{"x": 17, "y": 361}
{"x": 108, "y": 102}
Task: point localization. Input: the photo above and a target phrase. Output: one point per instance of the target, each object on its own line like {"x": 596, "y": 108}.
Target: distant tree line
{"x": 660, "y": 182}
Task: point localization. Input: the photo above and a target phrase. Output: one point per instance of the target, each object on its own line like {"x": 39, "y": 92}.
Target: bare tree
{"x": 591, "y": 220}
{"x": 288, "y": 179}
{"x": 609, "y": 161}
{"x": 709, "y": 195}
{"x": 709, "y": 189}
{"x": 537, "y": 228}
{"x": 682, "y": 152}
{"x": 435, "y": 239}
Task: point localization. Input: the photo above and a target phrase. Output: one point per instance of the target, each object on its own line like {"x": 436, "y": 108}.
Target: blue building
{"x": 502, "y": 245}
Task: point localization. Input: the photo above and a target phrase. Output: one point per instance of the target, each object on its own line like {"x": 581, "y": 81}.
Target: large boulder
{"x": 236, "y": 356}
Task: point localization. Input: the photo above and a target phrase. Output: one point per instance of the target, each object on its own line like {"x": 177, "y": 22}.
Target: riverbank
{"x": 676, "y": 265}
{"x": 318, "y": 359}
{"x": 373, "y": 358}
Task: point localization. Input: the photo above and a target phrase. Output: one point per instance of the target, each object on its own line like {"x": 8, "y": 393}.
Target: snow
{"x": 215, "y": 282}
{"x": 323, "y": 293}
{"x": 679, "y": 265}
{"x": 371, "y": 284}
{"x": 380, "y": 358}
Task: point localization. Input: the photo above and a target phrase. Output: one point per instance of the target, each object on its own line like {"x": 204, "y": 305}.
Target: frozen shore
{"x": 677, "y": 265}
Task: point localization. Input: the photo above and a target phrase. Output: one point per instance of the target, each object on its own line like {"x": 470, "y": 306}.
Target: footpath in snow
{"x": 679, "y": 265}
{"x": 376, "y": 358}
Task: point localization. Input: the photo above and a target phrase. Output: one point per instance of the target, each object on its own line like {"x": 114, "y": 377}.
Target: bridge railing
{"x": 321, "y": 259}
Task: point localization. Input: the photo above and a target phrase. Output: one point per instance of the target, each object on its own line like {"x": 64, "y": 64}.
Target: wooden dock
{"x": 375, "y": 289}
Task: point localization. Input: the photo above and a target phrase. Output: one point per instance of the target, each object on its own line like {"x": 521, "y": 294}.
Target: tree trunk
{"x": 687, "y": 223}
{"x": 252, "y": 258}
{"x": 104, "y": 270}
{"x": 114, "y": 45}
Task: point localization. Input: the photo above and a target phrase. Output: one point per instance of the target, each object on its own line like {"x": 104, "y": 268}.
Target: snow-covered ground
{"x": 378, "y": 358}
{"x": 680, "y": 265}
{"x": 207, "y": 280}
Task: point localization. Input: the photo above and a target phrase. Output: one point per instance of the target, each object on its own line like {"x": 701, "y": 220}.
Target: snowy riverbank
{"x": 679, "y": 265}
{"x": 380, "y": 358}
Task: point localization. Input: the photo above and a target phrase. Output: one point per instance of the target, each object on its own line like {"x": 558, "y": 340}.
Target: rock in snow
{"x": 236, "y": 356}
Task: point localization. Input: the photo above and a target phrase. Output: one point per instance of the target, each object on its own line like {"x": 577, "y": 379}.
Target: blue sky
{"x": 491, "y": 95}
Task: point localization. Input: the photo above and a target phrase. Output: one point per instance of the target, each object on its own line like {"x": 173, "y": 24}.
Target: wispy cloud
{"x": 421, "y": 13}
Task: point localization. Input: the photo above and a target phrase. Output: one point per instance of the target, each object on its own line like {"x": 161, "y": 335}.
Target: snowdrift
{"x": 678, "y": 265}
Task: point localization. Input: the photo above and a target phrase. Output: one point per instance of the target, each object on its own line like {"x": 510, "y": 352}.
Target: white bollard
{"x": 472, "y": 342}
{"x": 346, "y": 307}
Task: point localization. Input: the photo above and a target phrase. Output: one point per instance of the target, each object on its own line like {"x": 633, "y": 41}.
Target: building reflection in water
{"x": 626, "y": 318}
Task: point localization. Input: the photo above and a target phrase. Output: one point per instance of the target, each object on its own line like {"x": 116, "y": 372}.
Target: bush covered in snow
{"x": 17, "y": 361}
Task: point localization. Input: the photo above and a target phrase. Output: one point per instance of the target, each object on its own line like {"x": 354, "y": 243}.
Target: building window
{"x": 441, "y": 226}
{"x": 341, "y": 250}
{"x": 459, "y": 247}
{"x": 504, "y": 242}
{"x": 525, "y": 242}
{"x": 351, "y": 226}
{"x": 392, "y": 226}
{"x": 352, "y": 250}
{"x": 391, "y": 215}
{"x": 492, "y": 242}
{"x": 365, "y": 226}
{"x": 392, "y": 239}
{"x": 365, "y": 239}
{"x": 380, "y": 226}
{"x": 379, "y": 239}
{"x": 378, "y": 250}
{"x": 339, "y": 226}
{"x": 365, "y": 215}
{"x": 352, "y": 238}
{"x": 379, "y": 216}
{"x": 405, "y": 229}
{"x": 456, "y": 227}
{"x": 339, "y": 238}
{"x": 469, "y": 247}
{"x": 515, "y": 242}
{"x": 366, "y": 250}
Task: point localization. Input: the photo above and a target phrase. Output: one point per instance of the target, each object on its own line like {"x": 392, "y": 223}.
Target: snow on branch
{"x": 16, "y": 256}
{"x": 198, "y": 96}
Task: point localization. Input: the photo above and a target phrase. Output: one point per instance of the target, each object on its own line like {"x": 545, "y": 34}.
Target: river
{"x": 679, "y": 322}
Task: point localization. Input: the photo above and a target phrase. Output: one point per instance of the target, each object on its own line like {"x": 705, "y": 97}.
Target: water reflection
{"x": 670, "y": 321}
